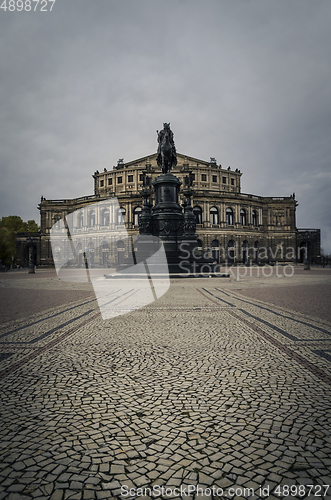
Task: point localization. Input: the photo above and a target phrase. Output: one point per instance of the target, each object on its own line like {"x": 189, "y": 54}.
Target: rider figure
{"x": 160, "y": 136}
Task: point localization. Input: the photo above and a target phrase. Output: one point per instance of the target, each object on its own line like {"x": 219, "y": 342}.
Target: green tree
{"x": 32, "y": 226}
{"x": 9, "y": 227}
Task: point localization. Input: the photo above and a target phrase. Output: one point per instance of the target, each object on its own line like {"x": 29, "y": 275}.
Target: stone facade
{"x": 232, "y": 227}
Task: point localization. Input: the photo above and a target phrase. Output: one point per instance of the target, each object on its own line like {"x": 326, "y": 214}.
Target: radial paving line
{"x": 53, "y": 315}
{"x": 300, "y": 359}
{"x": 14, "y": 366}
{"x": 212, "y": 300}
{"x": 297, "y": 357}
{"x": 49, "y": 332}
{"x": 250, "y": 302}
{"x": 218, "y": 298}
{"x": 44, "y": 319}
{"x": 124, "y": 297}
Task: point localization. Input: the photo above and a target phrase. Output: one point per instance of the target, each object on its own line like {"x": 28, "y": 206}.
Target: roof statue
{"x": 166, "y": 152}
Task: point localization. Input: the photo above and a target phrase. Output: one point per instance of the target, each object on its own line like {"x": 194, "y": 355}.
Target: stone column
{"x": 237, "y": 214}
{"x": 205, "y": 215}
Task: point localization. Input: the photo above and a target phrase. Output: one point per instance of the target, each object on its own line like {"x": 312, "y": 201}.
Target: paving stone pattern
{"x": 203, "y": 387}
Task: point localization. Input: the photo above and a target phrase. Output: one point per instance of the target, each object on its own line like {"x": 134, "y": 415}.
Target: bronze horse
{"x": 166, "y": 155}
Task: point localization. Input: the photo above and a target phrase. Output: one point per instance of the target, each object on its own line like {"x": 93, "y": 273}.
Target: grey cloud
{"x": 246, "y": 82}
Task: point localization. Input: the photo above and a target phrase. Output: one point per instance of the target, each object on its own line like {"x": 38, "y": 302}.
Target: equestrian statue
{"x": 166, "y": 152}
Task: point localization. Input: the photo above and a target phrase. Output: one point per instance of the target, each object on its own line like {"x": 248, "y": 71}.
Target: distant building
{"x": 233, "y": 227}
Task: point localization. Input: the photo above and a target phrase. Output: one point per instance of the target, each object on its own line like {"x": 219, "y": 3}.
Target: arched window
{"x": 254, "y": 218}
{"x": 136, "y": 214}
{"x": 105, "y": 253}
{"x": 213, "y": 215}
{"x": 229, "y": 216}
{"x": 90, "y": 254}
{"x": 120, "y": 252}
{"x": 243, "y": 217}
{"x": 231, "y": 252}
{"x": 79, "y": 253}
{"x": 303, "y": 252}
{"x": 105, "y": 217}
{"x": 198, "y": 214}
{"x": 121, "y": 216}
{"x": 80, "y": 219}
{"x": 215, "y": 250}
{"x": 244, "y": 252}
{"x": 91, "y": 218}
{"x": 57, "y": 253}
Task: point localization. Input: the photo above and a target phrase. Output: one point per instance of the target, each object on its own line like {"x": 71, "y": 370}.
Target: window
{"x": 79, "y": 254}
{"x": 119, "y": 180}
{"x": 130, "y": 178}
{"x": 198, "y": 214}
{"x": 232, "y": 182}
{"x": 193, "y": 177}
{"x": 101, "y": 183}
{"x": 121, "y": 216}
{"x": 91, "y": 218}
{"x": 90, "y": 254}
{"x": 229, "y": 216}
{"x": 254, "y": 218}
{"x": 204, "y": 177}
{"x": 224, "y": 180}
{"x": 105, "y": 217}
{"x": 110, "y": 181}
{"x": 120, "y": 252}
{"x": 213, "y": 215}
{"x": 80, "y": 219}
{"x": 243, "y": 217}
{"x": 141, "y": 177}
{"x": 214, "y": 178}
{"x": 105, "y": 253}
{"x": 136, "y": 214}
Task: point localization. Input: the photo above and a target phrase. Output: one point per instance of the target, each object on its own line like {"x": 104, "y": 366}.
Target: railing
{"x": 72, "y": 200}
{"x": 251, "y": 196}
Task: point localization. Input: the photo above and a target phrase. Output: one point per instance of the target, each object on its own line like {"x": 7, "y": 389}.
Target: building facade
{"x": 232, "y": 227}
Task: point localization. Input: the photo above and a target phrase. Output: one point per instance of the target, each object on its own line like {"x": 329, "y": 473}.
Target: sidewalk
{"x": 216, "y": 384}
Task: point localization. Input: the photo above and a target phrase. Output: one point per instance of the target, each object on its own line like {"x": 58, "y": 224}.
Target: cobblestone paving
{"x": 203, "y": 387}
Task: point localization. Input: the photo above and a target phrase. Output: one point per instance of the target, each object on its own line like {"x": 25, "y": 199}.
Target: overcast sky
{"x": 245, "y": 81}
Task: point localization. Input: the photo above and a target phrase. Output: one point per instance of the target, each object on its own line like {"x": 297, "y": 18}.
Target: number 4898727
{"x": 27, "y": 5}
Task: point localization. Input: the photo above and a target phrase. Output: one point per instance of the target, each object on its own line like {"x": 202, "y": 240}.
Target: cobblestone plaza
{"x": 222, "y": 383}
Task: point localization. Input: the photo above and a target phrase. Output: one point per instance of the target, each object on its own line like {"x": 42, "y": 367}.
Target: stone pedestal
{"x": 175, "y": 227}
{"x": 167, "y": 216}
